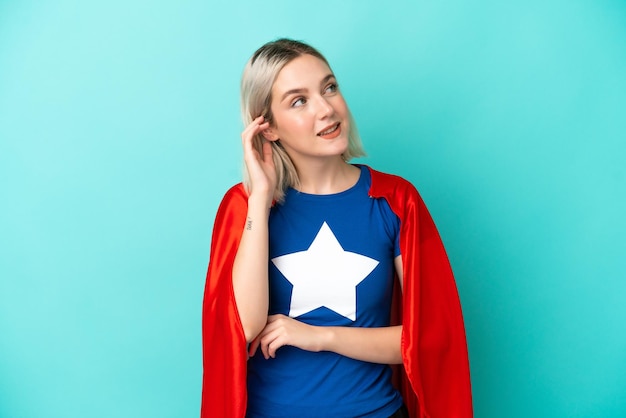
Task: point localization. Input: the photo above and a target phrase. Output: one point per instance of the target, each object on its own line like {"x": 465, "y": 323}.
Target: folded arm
{"x": 376, "y": 345}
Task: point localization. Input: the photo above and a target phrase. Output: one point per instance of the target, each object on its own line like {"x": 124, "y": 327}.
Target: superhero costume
{"x": 434, "y": 378}
{"x": 331, "y": 264}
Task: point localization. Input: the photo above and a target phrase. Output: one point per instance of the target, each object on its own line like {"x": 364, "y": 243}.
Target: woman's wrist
{"x": 259, "y": 204}
{"x": 260, "y": 200}
{"x": 325, "y": 338}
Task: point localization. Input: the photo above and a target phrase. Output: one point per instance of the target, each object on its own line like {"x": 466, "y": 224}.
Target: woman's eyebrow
{"x": 328, "y": 77}
{"x": 292, "y": 91}
{"x": 303, "y": 90}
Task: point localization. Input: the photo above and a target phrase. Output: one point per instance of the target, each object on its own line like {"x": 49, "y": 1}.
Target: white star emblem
{"x": 324, "y": 275}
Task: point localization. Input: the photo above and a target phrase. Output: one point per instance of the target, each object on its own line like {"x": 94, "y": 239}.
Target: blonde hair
{"x": 256, "y": 98}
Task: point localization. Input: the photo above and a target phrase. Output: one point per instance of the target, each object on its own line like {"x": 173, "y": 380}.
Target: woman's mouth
{"x": 331, "y": 132}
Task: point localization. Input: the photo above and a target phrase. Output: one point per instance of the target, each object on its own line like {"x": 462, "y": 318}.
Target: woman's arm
{"x": 250, "y": 269}
{"x": 376, "y": 345}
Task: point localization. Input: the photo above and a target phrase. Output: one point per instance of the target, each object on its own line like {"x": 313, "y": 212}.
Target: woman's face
{"x": 309, "y": 114}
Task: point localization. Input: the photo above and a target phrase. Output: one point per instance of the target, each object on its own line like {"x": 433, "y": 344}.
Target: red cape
{"x": 434, "y": 380}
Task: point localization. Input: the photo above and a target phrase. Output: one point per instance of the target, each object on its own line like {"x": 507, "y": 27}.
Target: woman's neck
{"x": 327, "y": 176}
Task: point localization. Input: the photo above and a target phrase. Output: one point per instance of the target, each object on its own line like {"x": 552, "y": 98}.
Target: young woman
{"x": 312, "y": 256}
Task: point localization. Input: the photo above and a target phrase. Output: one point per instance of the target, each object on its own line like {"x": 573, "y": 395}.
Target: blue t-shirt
{"x": 331, "y": 264}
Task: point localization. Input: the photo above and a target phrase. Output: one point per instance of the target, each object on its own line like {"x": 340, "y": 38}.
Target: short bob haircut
{"x": 256, "y": 99}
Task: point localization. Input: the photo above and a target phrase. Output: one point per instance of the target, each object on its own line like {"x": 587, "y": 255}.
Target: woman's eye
{"x": 298, "y": 102}
{"x": 331, "y": 88}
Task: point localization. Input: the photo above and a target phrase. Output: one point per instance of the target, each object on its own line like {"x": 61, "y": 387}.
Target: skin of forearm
{"x": 250, "y": 269}
{"x": 375, "y": 345}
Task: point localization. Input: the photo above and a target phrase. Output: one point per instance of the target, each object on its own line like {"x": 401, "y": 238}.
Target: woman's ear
{"x": 270, "y": 135}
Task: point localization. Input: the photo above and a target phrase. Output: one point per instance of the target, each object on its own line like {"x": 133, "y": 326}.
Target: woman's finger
{"x": 265, "y": 345}
{"x": 254, "y": 127}
{"x": 252, "y": 155}
{"x": 273, "y": 347}
{"x": 254, "y": 345}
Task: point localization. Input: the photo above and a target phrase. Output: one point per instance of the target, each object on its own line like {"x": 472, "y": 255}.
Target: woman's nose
{"x": 325, "y": 108}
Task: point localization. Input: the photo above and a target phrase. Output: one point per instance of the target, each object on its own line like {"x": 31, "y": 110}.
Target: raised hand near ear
{"x": 260, "y": 166}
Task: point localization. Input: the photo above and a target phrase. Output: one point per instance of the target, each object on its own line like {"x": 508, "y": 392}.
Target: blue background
{"x": 119, "y": 133}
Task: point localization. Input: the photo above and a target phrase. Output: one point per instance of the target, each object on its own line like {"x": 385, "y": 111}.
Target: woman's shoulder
{"x": 384, "y": 184}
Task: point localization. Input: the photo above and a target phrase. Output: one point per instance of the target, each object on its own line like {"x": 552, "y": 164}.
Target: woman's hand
{"x": 282, "y": 330}
{"x": 375, "y": 345}
{"x": 260, "y": 167}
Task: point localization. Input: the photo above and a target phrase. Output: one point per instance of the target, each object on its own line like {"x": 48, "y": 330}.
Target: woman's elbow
{"x": 396, "y": 358}
{"x": 252, "y": 329}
